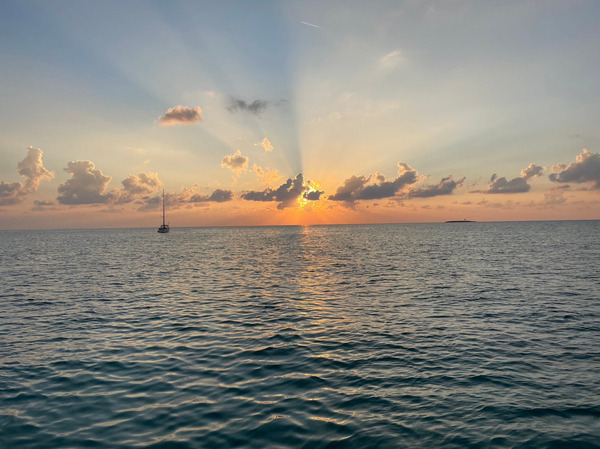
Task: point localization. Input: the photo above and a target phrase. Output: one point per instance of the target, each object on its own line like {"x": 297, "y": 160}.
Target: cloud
{"x": 311, "y": 25}
{"x": 391, "y": 60}
{"x": 266, "y": 144}
{"x": 358, "y": 188}
{"x": 256, "y": 107}
{"x": 515, "y": 185}
{"x": 532, "y": 171}
{"x": 10, "y": 193}
{"x": 554, "y": 196}
{"x": 218, "y": 196}
{"x": 286, "y": 194}
{"x": 445, "y": 187}
{"x": 33, "y": 170}
{"x": 237, "y": 163}
{"x": 313, "y": 195}
{"x": 586, "y": 168}
{"x": 86, "y": 186}
{"x": 42, "y": 206}
{"x": 135, "y": 186}
{"x": 266, "y": 175}
{"x": 181, "y": 115}
{"x": 188, "y": 196}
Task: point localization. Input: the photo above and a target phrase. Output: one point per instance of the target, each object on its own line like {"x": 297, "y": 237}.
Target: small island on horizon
{"x": 461, "y": 221}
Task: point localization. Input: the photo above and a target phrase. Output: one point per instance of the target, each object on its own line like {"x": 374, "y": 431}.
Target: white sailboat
{"x": 164, "y": 228}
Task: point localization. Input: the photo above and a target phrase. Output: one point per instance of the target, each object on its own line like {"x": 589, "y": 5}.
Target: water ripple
{"x": 317, "y": 337}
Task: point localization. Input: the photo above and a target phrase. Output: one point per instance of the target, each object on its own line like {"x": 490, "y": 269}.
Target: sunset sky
{"x": 297, "y": 112}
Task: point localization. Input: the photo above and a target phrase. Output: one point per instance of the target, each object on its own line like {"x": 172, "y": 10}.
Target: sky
{"x": 297, "y": 112}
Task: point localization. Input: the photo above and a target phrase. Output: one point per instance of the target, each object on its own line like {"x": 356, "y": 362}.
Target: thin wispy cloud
{"x": 391, "y": 60}
{"x": 265, "y": 175}
{"x": 311, "y": 25}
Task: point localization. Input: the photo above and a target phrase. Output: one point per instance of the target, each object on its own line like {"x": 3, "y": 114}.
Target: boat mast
{"x": 163, "y": 207}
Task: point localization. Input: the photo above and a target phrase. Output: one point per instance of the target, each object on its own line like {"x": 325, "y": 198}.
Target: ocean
{"x": 449, "y": 335}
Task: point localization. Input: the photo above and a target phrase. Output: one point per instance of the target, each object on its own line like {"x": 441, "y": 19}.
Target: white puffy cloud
{"x": 33, "y": 170}
{"x": 532, "y": 171}
{"x": 237, "y": 163}
{"x": 86, "y": 186}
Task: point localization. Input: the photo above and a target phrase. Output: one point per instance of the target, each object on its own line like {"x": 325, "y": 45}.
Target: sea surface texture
{"x": 453, "y": 335}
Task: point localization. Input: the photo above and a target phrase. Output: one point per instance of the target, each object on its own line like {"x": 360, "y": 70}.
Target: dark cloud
{"x": 358, "y": 188}
{"x": 286, "y": 194}
{"x": 313, "y": 195}
{"x": 445, "y": 187}
{"x": 86, "y": 186}
{"x": 218, "y": 196}
{"x": 516, "y": 185}
{"x": 586, "y": 168}
{"x": 10, "y": 193}
{"x": 256, "y": 107}
{"x": 33, "y": 170}
{"x": 181, "y": 115}
{"x": 349, "y": 190}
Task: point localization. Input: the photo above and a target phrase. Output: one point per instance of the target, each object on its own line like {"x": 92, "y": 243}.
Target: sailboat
{"x": 164, "y": 228}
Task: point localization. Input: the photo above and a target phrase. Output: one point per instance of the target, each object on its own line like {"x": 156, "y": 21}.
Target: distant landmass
{"x": 461, "y": 221}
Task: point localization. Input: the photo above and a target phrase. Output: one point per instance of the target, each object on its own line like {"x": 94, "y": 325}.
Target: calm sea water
{"x": 431, "y": 335}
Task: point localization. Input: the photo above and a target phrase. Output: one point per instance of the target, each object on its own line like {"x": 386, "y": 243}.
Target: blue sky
{"x": 461, "y": 88}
